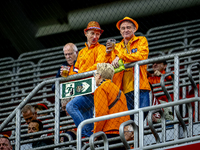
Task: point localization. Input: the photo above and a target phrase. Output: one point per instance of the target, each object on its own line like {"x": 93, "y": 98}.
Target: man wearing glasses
{"x": 70, "y": 52}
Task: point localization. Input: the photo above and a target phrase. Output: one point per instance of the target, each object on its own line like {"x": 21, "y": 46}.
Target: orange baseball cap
{"x": 127, "y": 18}
{"x": 93, "y": 25}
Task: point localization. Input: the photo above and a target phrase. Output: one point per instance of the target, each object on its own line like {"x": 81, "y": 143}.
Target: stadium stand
{"x": 28, "y": 80}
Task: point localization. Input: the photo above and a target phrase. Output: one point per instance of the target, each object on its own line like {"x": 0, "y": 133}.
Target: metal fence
{"x": 29, "y": 26}
{"x": 28, "y": 78}
{"x": 144, "y": 130}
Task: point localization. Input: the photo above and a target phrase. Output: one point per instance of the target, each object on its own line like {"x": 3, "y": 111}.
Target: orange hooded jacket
{"x": 136, "y": 50}
{"x": 104, "y": 95}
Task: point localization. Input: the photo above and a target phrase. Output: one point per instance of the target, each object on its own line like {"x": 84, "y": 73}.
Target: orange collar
{"x": 92, "y": 46}
{"x": 133, "y": 39}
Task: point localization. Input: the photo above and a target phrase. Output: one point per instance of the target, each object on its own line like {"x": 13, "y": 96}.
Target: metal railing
{"x": 86, "y": 74}
{"x": 17, "y": 83}
{"x": 158, "y": 38}
{"x": 136, "y": 98}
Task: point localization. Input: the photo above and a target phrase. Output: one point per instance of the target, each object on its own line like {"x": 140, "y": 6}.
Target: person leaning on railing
{"x": 108, "y": 99}
{"x": 81, "y": 107}
{"x": 154, "y": 77}
{"x": 131, "y": 49}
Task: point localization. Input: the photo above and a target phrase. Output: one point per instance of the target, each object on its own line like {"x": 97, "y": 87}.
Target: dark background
{"x": 27, "y": 26}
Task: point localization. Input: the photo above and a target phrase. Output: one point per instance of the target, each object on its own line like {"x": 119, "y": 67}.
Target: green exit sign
{"x": 77, "y": 88}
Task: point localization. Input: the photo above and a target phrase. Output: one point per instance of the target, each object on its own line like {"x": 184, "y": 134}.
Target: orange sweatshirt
{"x": 104, "y": 95}
{"x": 88, "y": 57}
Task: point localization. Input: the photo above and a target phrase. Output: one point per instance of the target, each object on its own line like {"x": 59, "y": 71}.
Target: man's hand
{"x": 61, "y": 71}
{"x": 109, "y": 47}
{"x": 115, "y": 62}
{"x": 157, "y": 73}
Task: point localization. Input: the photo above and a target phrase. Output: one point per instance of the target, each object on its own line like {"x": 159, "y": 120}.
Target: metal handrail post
{"x": 176, "y": 90}
{"x": 18, "y": 129}
{"x": 57, "y": 114}
{"x": 136, "y": 90}
{"x": 141, "y": 129}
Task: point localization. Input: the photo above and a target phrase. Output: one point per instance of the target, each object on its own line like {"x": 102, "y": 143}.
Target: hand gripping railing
{"x": 95, "y": 135}
{"x": 189, "y": 72}
{"x": 162, "y": 82}
{"x": 136, "y": 132}
{"x": 150, "y": 123}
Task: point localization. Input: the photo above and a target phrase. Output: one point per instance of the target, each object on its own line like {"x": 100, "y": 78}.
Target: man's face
{"x": 92, "y": 36}
{"x": 4, "y": 144}
{"x": 127, "y": 30}
{"x": 33, "y": 127}
{"x": 29, "y": 116}
{"x": 159, "y": 66}
{"x": 70, "y": 54}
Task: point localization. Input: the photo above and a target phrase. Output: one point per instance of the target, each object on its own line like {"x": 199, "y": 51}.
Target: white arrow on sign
{"x": 85, "y": 86}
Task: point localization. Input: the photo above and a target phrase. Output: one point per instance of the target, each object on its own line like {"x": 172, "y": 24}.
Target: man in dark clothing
{"x": 70, "y": 52}
{"x": 34, "y": 126}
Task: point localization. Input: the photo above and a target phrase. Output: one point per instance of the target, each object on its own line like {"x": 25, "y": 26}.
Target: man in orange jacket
{"x": 132, "y": 49}
{"x": 81, "y": 107}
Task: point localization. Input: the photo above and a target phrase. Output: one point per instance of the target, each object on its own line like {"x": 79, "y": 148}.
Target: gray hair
{"x": 73, "y": 46}
{"x": 27, "y": 108}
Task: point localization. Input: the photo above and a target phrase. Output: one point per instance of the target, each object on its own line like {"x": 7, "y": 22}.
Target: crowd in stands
{"x": 115, "y": 90}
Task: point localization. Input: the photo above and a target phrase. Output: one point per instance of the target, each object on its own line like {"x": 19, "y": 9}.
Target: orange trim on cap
{"x": 127, "y": 18}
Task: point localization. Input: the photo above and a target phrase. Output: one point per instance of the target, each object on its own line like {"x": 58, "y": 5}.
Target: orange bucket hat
{"x": 127, "y": 18}
{"x": 93, "y": 25}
